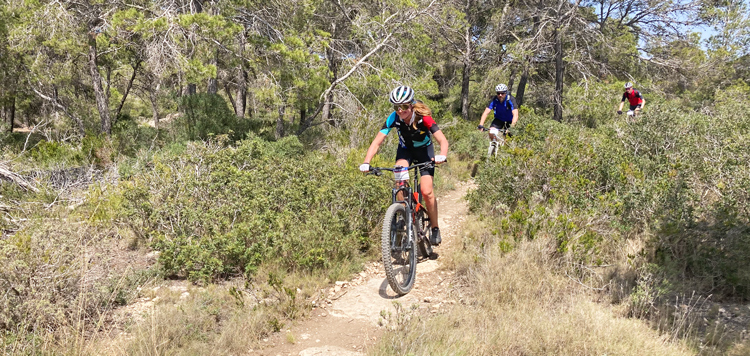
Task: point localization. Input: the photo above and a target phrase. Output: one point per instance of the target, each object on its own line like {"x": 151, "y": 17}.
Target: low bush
{"x": 203, "y": 116}
{"x": 674, "y": 178}
{"x": 130, "y": 137}
{"x": 215, "y": 212}
{"x": 59, "y": 280}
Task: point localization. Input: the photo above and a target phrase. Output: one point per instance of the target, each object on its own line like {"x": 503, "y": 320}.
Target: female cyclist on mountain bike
{"x": 414, "y": 124}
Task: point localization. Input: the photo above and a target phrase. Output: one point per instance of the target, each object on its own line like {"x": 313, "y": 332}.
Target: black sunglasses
{"x": 502, "y": 92}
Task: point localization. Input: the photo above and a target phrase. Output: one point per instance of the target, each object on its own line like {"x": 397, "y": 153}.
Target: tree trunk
{"x": 231, "y": 98}
{"x": 280, "y": 122}
{"x": 10, "y": 111}
{"x": 212, "y": 87}
{"x": 127, "y": 91}
{"x": 559, "y": 73}
{"x": 240, "y": 102}
{"x": 522, "y": 85}
{"x": 521, "y": 91}
{"x": 96, "y": 79}
{"x": 465, "y": 105}
{"x": 327, "y": 116}
{"x": 12, "y": 114}
{"x": 333, "y": 66}
{"x": 302, "y": 115}
{"x": 512, "y": 78}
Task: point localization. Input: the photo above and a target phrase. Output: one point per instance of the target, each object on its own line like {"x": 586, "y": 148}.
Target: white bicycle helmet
{"x": 402, "y": 95}
{"x": 628, "y": 85}
{"x": 501, "y": 87}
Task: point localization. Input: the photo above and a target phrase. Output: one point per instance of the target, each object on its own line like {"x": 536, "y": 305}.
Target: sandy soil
{"x": 349, "y": 320}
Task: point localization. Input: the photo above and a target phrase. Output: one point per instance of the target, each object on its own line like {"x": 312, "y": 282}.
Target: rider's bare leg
{"x": 430, "y": 201}
{"x": 402, "y": 163}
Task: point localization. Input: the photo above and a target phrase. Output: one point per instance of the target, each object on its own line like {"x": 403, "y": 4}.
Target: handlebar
{"x": 484, "y": 129}
{"x": 378, "y": 171}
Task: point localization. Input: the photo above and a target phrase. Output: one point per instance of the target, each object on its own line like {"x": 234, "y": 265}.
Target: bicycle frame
{"x": 497, "y": 141}
{"x": 412, "y": 200}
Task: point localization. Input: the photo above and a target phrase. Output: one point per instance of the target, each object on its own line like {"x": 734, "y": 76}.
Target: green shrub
{"x": 129, "y": 136}
{"x": 206, "y": 115}
{"x": 466, "y": 142}
{"x": 98, "y": 149}
{"x": 215, "y": 212}
{"x": 677, "y": 174}
{"x": 48, "y": 153}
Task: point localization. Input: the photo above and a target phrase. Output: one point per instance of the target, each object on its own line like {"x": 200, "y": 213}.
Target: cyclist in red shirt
{"x": 634, "y": 98}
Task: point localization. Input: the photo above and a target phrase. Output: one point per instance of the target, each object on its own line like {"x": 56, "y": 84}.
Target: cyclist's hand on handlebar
{"x": 440, "y": 159}
{"x": 480, "y": 128}
{"x": 619, "y": 112}
{"x": 364, "y": 167}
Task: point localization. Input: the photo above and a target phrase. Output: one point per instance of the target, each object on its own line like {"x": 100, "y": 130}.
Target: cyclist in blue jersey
{"x": 506, "y": 110}
{"x": 413, "y": 121}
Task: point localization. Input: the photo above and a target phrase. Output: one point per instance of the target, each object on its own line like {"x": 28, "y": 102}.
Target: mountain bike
{"x": 494, "y": 146}
{"x": 406, "y": 228}
{"x": 497, "y": 142}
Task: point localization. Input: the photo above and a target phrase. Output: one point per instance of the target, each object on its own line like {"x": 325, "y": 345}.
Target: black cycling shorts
{"x": 418, "y": 155}
{"x": 633, "y": 107}
{"x": 501, "y": 125}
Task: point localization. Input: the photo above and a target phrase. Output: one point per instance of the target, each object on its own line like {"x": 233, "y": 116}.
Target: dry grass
{"x": 219, "y": 319}
{"x": 518, "y": 303}
{"x": 188, "y": 320}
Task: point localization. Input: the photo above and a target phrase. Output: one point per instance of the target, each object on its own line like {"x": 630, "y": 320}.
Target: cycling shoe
{"x": 435, "y": 238}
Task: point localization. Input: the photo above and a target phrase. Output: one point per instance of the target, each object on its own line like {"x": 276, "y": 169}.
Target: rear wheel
{"x": 425, "y": 232}
{"x": 399, "y": 257}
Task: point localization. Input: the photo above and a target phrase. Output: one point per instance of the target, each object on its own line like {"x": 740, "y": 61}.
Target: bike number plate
{"x": 401, "y": 173}
{"x": 494, "y": 130}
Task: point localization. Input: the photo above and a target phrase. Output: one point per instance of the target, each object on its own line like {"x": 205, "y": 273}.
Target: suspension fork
{"x": 409, "y": 205}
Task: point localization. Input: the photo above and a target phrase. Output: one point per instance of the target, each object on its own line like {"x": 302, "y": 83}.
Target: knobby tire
{"x": 399, "y": 257}
{"x": 424, "y": 225}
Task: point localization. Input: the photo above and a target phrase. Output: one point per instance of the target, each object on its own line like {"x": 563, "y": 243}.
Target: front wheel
{"x": 399, "y": 257}
{"x": 424, "y": 230}
{"x": 492, "y": 149}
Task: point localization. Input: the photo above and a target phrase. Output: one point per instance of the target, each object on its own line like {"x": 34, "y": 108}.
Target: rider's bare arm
{"x": 515, "y": 117}
{"x": 621, "y": 104}
{"x": 486, "y": 112}
{"x": 442, "y": 141}
{"x": 643, "y": 103}
{"x": 374, "y": 146}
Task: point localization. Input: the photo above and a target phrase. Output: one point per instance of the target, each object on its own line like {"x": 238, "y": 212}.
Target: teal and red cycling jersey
{"x": 411, "y": 136}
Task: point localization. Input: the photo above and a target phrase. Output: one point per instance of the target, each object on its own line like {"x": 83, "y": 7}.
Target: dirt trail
{"x": 349, "y": 321}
